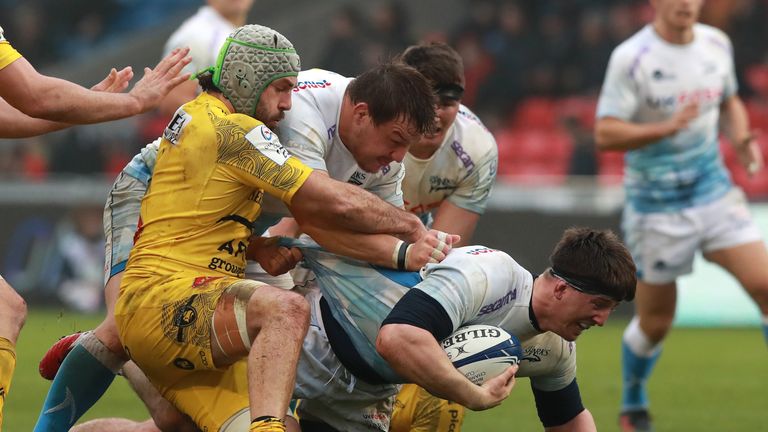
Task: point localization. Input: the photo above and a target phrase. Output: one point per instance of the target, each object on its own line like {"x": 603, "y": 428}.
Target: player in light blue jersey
{"x": 666, "y": 90}
{"x": 371, "y": 328}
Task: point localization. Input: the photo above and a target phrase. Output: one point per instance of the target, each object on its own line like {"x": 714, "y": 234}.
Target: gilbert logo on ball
{"x": 482, "y": 352}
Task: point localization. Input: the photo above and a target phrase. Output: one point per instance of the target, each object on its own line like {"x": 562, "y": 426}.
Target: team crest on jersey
{"x": 265, "y": 141}
{"x": 175, "y": 127}
{"x": 358, "y": 178}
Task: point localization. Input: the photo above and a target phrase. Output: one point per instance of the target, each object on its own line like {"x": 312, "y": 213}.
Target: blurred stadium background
{"x": 533, "y": 71}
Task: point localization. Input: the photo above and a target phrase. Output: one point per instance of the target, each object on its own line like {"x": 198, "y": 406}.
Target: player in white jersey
{"x": 666, "y": 89}
{"x": 372, "y": 328}
{"x": 204, "y": 33}
{"x": 449, "y": 174}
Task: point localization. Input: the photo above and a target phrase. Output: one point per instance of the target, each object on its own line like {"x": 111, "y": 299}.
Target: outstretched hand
{"x": 116, "y": 81}
{"x": 157, "y": 82}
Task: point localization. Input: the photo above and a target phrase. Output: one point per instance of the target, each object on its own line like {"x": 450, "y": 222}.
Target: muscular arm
{"x": 416, "y": 356}
{"x": 612, "y": 133}
{"x": 16, "y": 124}
{"x": 54, "y": 99}
{"x": 324, "y": 202}
{"x": 735, "y": 124}
{"x": 454, "y": 219}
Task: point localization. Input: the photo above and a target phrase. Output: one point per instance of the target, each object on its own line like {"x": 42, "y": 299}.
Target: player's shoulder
{"x": 476, "y": 139}
{"x": 482, "y": 256}
{"x": 320, "y": 81}
{"x": 710, "y": 36}
{"x": 634, "y": 46}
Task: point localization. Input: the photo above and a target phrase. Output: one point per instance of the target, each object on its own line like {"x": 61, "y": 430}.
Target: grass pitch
{"x": 706, "y": 380}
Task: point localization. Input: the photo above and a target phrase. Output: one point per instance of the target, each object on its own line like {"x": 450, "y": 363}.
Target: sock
{"x": 765, "y": 327}
{"x": 267, "y": 424}
{"x": 638, "y": 356}
{"x": 82, "y": 379}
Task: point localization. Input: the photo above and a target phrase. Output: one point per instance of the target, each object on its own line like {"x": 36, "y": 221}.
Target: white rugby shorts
{"x": 329, "y": 392}
{"x": 663, "y": 245}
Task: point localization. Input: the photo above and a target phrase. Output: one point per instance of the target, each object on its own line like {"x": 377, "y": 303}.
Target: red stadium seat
{"x": 610, "y": 165}
{"x": 537, "y": 113}
{"x": 526, "y": 154}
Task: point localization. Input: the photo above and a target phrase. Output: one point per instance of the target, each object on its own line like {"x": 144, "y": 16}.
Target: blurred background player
{"x": 48, "y": 98}
{"x": 204, "y": 33}
{"x": 448, "y": 178}
{"x": 666, "y": 90}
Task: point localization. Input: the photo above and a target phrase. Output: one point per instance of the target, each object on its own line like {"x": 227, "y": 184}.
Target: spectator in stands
{"x": 343, "y": 53}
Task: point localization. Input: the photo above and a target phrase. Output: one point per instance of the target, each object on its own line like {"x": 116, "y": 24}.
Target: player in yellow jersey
{"x": 24, "y": 93}
{"x": 185, "y": 315}
{"x": 416, "y": 410}
{"x": 33, "y": 104}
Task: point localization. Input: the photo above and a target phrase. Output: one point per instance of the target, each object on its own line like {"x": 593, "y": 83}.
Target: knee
{"x": 286, "y": 309}
{"x": 13, "y": 306}
{"x": 760, "y": 295}
{"x": 173, "y": 421}
{"x": 656, "y": 327}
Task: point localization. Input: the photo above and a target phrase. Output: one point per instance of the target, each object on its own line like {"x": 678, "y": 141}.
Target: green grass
{"x": 707, "y": 380}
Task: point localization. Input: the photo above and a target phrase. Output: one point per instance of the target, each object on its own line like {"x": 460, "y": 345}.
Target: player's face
{"x": 445, "y": 115}
{"x": 376, "y": 146}
{"x": 274, "y": 101}
{"x": 677, "y": 14}
{"x": 580, "y": 311}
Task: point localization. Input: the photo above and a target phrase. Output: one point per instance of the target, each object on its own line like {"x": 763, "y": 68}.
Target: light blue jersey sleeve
{"x": 143, "y": 164}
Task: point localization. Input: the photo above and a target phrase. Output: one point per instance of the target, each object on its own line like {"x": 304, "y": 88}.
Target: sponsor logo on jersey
{"x": 698, "y": 96}
{"x": 437, "y": 184}
{"x": 203, "y": 280}
{"x": 220, "y": 264}
{"x": 385, "y": 169}
{"x": 535, "y": 354}
{"x": 480, "y": 250}
{"x": 498, "y": 304}
{"x": 331, "y": 132}
{"x": 465, "y": 158}
{"x": 269, "y": 147}
{"x": 470, "y": 334}
{"x": 454, "y": 420}
{"x": 660, "y": 75}
{"x": 204, "y": 359}
{"x": 176, "y": 126}
{"x": 183, "y": 363}
{"x": 302, "y": 85}
{"x": 267, "y": 133}
{"x": 358, "y": 178}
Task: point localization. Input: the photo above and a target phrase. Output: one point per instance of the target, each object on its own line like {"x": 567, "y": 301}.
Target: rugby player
{"x": 667, "y": 89}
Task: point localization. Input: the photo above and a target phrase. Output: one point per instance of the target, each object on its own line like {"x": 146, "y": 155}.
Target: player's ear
{"x": 360, "y": 111}
{"x": 559, "y": 289}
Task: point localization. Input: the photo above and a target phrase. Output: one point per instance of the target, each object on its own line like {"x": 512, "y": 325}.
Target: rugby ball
{"x": 482, "y": 352}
